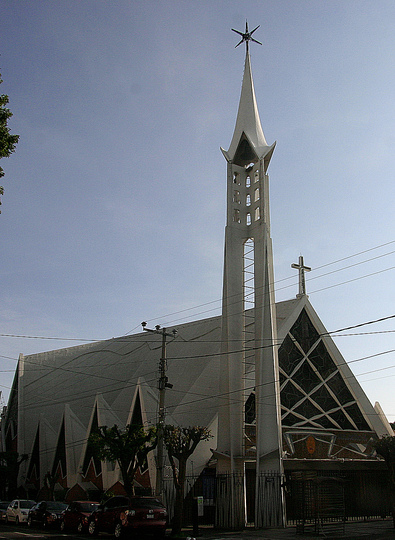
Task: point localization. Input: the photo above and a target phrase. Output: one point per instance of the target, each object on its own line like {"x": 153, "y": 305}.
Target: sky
{"x": 114, "y": 204}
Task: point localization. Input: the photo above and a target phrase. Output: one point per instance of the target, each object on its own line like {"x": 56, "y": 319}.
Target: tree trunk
{"x": 179, "y": 502}
{"x": 127, "y": 482}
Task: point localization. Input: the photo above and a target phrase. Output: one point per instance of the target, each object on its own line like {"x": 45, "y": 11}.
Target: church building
{"x": 283, "y": 407}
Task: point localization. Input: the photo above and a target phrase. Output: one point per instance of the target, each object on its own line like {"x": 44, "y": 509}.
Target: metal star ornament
{"x": 247, "y": 36}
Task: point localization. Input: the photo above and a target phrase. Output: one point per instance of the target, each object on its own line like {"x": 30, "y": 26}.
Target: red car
{"x": 124, "y": 515}
{"x": 77, "y": 514}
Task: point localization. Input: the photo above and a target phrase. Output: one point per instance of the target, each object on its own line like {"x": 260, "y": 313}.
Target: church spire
{"x": 248, "y": 143}
{"x": 248, "y": 305}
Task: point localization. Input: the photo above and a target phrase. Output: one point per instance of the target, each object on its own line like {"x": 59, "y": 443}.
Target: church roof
{"x": 115, "y": 367}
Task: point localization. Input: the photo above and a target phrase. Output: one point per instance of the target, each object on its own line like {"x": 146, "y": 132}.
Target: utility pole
{"x": 162, "y": 385}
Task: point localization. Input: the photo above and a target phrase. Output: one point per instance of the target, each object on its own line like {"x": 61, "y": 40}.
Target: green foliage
{"x": 181, "y": 442}
{"x": 128, "y": 447}
{"x": 8, "y": 142}
{"x": 385, "y": 447}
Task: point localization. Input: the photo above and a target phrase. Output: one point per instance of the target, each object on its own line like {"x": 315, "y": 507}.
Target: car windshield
{"x": 88, "y": 507}
{"x": 27, "y": 504}
{"x": 56, "y": 506}
{"x": 146, "y": 503}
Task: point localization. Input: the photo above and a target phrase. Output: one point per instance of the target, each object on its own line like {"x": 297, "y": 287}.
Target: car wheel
{"x": 118, "y": 531}
{"x": 29, "y": 521}
{"x": 92, "y": 528}
{"x": 17, "y": 520}
{"x": 80, "y": 527}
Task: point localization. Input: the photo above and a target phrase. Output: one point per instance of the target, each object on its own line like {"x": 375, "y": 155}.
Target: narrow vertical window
{"x": 257, "y": 214}
{"x": 256, "y": 176}
{"x": 248, "y": 219}
{"x": 248, "y": 200}
{"x": 236, "y": 196}
{"x": 257, "y": 195}
{"x": 236, "y": 216}
{"x": 248, "y": 181}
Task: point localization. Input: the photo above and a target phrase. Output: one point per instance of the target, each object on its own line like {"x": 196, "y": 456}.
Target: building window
{"x": 236, "y": 196}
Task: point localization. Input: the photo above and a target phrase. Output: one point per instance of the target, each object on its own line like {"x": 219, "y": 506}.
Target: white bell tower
{"x": 248, "y": 305}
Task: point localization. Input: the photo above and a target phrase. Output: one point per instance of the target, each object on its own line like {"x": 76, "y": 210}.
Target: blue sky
{"x": 114, "y": 205}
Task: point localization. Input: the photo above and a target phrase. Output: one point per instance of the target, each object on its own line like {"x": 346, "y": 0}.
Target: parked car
{"x": 3, "y": 510}
{"x": 121, "y": 515}
{"x": 18, "y": 510}
{"x": 77, "y": 514}
{"x": 46, "y": 513}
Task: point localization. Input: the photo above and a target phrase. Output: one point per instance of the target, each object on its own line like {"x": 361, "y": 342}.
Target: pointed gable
{"x": 318, "y": 390}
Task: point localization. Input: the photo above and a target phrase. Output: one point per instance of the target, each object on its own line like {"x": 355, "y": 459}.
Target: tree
{"x": 10, "y": 462}
{"x": 180, "y": 444}
{"x": 8, "y": 142}
{"x": 128, "y": 447}
{"x": 385, "y": 447}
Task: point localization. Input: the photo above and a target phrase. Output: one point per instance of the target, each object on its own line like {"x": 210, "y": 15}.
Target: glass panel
{"x": 342, "y": 420}
{"x": 290, "y": 420}
{"x": 322, "y": 360}
{"x": 307, "y": 409}
{"x": 339, "y": 388}
{"x": 304, "y": 332}
{"x": 323, "y": 398}
{"x": 250, "y": 409}
{"x": 306, "y": 378}
{"x": 290, "y": 395}
{"x": 325, "y": 422}
{"x": 357, "y": 417}
{"x": 289, "y": 355}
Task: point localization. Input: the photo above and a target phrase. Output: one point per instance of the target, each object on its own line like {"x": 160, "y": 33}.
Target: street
{"x": 23, "y": 531}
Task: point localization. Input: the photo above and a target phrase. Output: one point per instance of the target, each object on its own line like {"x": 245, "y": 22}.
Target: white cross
{"x": 302, "y": 269}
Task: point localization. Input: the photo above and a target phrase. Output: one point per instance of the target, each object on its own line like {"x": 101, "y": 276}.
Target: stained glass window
{"x": 304, "y": 332}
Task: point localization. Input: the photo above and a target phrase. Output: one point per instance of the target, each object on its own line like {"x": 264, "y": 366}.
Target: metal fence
{"x": 229, "y": 500}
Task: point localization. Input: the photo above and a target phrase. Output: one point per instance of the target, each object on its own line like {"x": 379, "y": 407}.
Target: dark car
{"x": 46, "y": 513}
{"x": 77, "y": 514}
{"x": 3, "y": 510}
{"x": 121, "y": 515}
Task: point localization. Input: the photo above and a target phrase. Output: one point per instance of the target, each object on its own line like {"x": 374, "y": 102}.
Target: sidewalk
{"x": 370, "y": 530}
